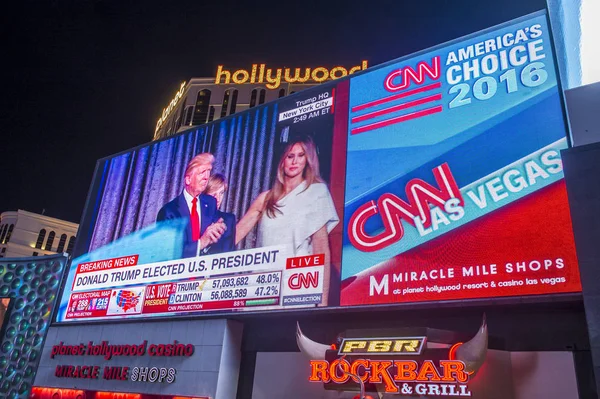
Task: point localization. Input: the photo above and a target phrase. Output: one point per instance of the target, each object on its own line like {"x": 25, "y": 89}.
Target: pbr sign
{"x": 397, "y": 346}
{"x": 454, "y": 182}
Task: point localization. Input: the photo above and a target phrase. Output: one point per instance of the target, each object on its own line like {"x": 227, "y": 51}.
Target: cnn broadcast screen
{"x": 455, "y": 185}
{"x": 237, "y": 215}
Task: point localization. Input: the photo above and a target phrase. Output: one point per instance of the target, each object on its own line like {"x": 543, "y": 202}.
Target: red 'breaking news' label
{"x": 305, "y": 261}
{"x": 106, "y": 264}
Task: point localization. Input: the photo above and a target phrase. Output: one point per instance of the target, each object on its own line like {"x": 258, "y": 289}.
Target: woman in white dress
{"x": 297, "y": 211}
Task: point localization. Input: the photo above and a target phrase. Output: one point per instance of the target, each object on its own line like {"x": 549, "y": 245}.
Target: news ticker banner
{"x": 143, "y": 273}
{"x": 454, "y": 183}
{"x": 263, "y": 278}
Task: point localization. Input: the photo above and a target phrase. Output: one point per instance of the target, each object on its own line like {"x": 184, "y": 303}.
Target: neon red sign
{"x": 416, "y": 212}
{"x": 409, "y": 75}
{"x": 304, "y": 280}
{"x": 447, "y": 377}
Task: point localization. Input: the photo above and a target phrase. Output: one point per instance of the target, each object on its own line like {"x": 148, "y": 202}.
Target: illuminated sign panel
{"x": 392, "y": 364}
{"x": 123, "y": 373}
{"x": 364, "y": 346}
{"x": 167, "y": 111}
{"x": 454, "y": 182}
{"x": 407, "y": 377}
{"x": 443, "y": 167}
{"x": 273, "y": 77}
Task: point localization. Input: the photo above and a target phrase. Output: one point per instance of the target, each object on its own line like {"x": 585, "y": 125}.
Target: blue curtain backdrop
{"x": 138, "y": 183}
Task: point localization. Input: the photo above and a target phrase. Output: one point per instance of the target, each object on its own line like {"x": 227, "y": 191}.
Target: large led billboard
{"x": 433, "y": 177}
{"x": 455, "y": 185}
{"x": 242, "y": 214}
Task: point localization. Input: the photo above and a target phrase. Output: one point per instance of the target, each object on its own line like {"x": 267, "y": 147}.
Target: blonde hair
{"x": 205, "y": 158}
{"x": 215, "y": 182}
{"x": 311, "y": 173}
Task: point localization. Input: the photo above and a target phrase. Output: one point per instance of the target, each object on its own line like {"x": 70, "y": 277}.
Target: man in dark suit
{"x": 203, "y": 227}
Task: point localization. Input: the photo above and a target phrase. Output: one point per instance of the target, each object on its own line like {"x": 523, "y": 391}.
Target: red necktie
{"x": 195, "y": 220}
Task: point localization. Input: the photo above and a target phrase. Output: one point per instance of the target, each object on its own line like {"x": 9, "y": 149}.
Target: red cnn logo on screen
{"x": 304, "y": 280}
{"x": 393, "y": 209}
{"x": 409, "y": 75}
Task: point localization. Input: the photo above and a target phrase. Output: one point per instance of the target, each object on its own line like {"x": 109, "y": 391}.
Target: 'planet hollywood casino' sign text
{"x": 121, "y": 373}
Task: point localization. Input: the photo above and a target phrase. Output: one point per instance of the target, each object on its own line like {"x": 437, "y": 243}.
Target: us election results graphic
{"x": 454, "y": 184}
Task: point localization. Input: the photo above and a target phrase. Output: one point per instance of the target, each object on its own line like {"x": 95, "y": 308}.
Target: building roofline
{"x": 40, "y": 217}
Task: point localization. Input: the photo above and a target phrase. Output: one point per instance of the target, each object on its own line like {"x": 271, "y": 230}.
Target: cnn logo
{"x": 304, "y": 280}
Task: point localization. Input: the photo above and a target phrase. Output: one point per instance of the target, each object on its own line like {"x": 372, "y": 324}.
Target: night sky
{"x": 87, "y": 79}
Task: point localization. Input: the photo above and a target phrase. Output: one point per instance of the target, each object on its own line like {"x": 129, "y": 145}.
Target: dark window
{"x": 181, "y": 117}
{"x": 211, "y": 114}
{"x": 3, "y": 234}
{"x": 233, "y": 102}
{"x": 202, "y": 104}
{"x": 61, "y": 243}
{"x": 281, "y": 93}
{"x": 40, "y": 239}
{"x": 225, "y": 104}
{"x": 189, "y": 111}
{"x": 35, "y": 254}
{"x": 253, "y": 99}
{"x": 71, "y": 244}
{"x": 50, "y": 241}
{"x": 261, "y": 98}
{"x": 10, "y": 230}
